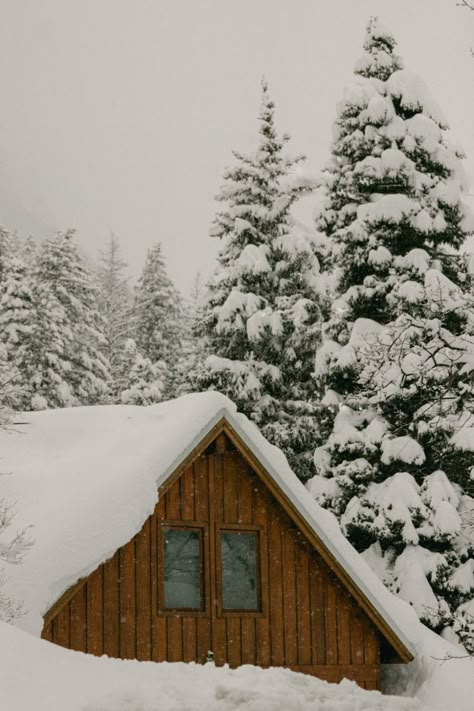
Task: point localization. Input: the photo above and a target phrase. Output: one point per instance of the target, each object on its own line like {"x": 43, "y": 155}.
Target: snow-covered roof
{"x": 87, "y": 478}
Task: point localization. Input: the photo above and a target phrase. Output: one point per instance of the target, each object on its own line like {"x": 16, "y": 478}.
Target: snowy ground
{"x": 38, "y": 676}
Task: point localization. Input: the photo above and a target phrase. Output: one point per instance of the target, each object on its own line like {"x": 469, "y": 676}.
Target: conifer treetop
{"x": 379, "y": 60}
{"x": 262, "y": 314}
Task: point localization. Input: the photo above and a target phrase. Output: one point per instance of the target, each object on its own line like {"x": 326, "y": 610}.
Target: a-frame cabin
{"x": 231, "y": 567}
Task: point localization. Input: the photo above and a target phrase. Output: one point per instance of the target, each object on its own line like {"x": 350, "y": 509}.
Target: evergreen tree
{"x": 398, "y": 343}
{"x": 193, "y": 345}
{"x": 138, "y": 381}
{"x": 261, "y": 319}
{"x": 114, "y": 300}
{"x": 157, "y": 310}
{"x": 6, "y": 252}
{"x": 18, "y": 320}
{"x": 33, "y": 329}
{"x": 67, "y": 285}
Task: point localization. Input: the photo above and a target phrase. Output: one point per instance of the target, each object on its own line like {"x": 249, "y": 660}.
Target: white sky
{"x": 120, "y": 115}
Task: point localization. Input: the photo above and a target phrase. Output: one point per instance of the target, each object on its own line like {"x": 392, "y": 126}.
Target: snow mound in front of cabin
{"x": 40, "y": 676}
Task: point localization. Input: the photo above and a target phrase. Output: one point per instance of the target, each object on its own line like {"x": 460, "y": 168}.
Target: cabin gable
{"x": 304, "y": 617}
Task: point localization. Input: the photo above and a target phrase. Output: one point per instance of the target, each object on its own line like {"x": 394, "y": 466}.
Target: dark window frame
{"x": 203, "y": 532}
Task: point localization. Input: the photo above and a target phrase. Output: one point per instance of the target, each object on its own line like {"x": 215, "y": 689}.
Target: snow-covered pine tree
{"x": 67, "y": 283}
{"x": 261, "y": 318}
{"x": 18, "y": 320}
{"x": 36, "y": 341}
{"x": 156, "y": 319}
{"x": 398, "y": 467}
{"x": 6, "y": 251}
{"x": 137, "y": 380}
{"x": 193, "y": 344}
{"x": 114, "y": 300}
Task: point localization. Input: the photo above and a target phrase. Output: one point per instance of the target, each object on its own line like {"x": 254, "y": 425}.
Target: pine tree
{"x": 157, "y": 315}
{"x": 138, "y": 381}
{"x": 65, "y": 282}
{"x": 18, "y": 320}
{"x": 6, "y": 252}
{"x": 193, "y": 345}
{"x": 398, "y": 344}
{"x": 263, "y": 310}
{"x": 114, "y": 300}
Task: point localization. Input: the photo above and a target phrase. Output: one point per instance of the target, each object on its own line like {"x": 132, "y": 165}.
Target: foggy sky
{"x": 120, "y": 115}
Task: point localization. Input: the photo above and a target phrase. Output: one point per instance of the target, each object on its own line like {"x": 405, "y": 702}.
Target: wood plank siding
{"x": 307, "y": 620}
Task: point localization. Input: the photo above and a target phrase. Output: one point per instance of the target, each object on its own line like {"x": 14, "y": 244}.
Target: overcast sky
{"x": 120, "y": 115}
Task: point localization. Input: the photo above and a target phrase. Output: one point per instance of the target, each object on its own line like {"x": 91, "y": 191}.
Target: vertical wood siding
{"x": 308, "y": 621}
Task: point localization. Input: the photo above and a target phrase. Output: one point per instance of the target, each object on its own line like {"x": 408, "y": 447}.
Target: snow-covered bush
{"x": 138, "y": 381}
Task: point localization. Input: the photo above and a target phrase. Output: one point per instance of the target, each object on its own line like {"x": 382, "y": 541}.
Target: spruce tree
{"x": 18, "y": 321}
{"x": 193, "y": 345}
{"x": 6, "y": 252}
{"x": 262, "y": 315}
{"x": 114, "y": 299}
{"x": 66, "y": 281}
{"x": 37, "y": 342}
{"x": 398, "y": 343}
{"x": 156, "y": 316}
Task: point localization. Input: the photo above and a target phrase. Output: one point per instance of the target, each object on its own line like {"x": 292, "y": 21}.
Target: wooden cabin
{"x": 231, "y": 567}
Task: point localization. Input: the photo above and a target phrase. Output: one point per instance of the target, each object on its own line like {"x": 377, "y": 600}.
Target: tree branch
{"x": 465, "y": 3}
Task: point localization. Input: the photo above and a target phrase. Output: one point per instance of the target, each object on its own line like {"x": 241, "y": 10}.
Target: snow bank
{"x": 39, "y": 676}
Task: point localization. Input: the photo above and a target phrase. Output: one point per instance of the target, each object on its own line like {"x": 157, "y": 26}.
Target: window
{"x": 182, "y": 575}
{"x": 187, "y": 584}
{"x": 239, "y": 570}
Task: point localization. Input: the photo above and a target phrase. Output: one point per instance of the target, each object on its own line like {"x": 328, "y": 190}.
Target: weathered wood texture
{"x": 307, "y": 621}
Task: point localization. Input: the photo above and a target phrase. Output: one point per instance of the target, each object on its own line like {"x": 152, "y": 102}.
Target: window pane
{"x": 182, "y": 578}
{"x": 239, "y": 571}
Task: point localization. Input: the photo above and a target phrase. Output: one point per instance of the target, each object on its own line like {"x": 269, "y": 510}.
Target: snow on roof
{"x": 87, "y": 478}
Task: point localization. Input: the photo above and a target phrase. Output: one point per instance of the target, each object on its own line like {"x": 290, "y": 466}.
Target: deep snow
{"x": 38, "y": 676}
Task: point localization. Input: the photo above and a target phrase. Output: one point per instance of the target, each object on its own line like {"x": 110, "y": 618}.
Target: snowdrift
{"x": 38, "y": 676}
